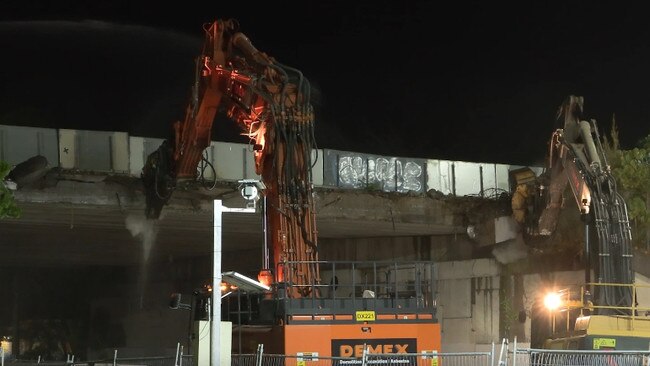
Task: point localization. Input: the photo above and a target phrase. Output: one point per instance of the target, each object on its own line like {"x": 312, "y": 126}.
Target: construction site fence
{"x": 404, "y": 359}
{"x": 508, "y": 354}
{"x": 538, "y": 357}
{"x": 185, "y": 360}
{"x": 179, "y": 359}
{"x": 550, "y": 357}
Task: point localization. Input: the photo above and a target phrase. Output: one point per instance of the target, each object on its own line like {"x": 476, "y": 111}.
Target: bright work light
{"x": 552, "y": 301}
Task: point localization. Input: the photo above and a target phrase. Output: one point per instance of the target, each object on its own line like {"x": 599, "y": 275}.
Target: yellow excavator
{"x": 605, "y": 307}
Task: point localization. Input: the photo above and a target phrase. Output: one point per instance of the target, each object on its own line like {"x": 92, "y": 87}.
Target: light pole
{"x": 215, "y": 328}
{"x": 250, "y": 192}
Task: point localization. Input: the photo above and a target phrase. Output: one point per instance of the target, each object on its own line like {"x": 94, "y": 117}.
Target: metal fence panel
{"x": 467, "y": 178}
{"x": 578, "y": 357}
{"x": 495, "y": 180}
{"x": 489, "y": 179}
{"x": 297, "y": 360}
{"x": 392, "y": 359}
{"x": 18, "y": 144}
{"x": 317, "y": 169}
{"x": 139, "y": 150}
{"x": 440, "y": 176}
{"x": 143, "y": 361}
{"x": 502, "y": 178}
{"x": 99, "y": 151}
{"x": 430, "y": 359}
{"x": 234, "y": 161}
{"x": 506, "y": 357}
{"x": 355, "y": 170}
{"x": 93, "y": 150}
{"x": 244, "y": 360}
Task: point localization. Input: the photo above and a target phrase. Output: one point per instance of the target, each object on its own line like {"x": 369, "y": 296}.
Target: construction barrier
{"x": 544, "y": 357}
{"x": 426, "y": 358}
{"x": 504, "y": 357}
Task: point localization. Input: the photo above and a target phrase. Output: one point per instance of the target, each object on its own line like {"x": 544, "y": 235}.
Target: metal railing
{"x": 178, "y": 360}
{"x": 384, "y": 286}
{"x": 550, "y": 357}
{"x": 426, "y": 358}
{"x": 544, "y": 357}
{"x": 577, "y": 299}
{"x": 430, "y": 359}
{"x": 405, "y": 359}
{"x": 581, "y": 299}
{"x": 508, "y": 355}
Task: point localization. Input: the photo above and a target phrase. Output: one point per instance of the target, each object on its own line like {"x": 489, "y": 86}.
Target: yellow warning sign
{"x": 432, "y": 355}
{"x": 600, "y": 343}
{"x": 365, "y": 316}
{"x": 303, "y": 357}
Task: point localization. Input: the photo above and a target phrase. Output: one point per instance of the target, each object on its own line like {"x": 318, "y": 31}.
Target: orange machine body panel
{"x": 389, "y": 306}
{"x": 338, "y": 340}
{"x": 347, "y": 340}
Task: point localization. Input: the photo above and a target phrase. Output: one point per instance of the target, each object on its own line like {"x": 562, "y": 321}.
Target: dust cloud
{"x": 145, "y": 230}
{"x": 511, "y": 250}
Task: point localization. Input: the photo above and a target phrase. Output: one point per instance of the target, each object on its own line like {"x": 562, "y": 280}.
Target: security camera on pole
{"x": 250, "y": 190}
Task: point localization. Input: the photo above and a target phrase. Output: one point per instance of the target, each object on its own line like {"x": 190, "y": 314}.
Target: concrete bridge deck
{"x": 71, "y": 219}
{"x": 81, "y": 210}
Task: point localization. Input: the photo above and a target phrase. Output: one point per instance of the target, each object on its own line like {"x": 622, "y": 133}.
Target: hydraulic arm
{"x": 270, "y": 102}
{"x": 577, "y": 158}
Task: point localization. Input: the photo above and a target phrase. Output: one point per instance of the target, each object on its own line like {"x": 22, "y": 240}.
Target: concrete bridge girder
{"x": 70, "y": 218}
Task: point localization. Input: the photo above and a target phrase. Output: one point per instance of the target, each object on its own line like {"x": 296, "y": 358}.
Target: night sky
{"x": 474, "y": 82}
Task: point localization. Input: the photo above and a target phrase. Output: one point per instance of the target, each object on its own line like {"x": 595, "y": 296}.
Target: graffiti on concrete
{"x": 388, "y": 174}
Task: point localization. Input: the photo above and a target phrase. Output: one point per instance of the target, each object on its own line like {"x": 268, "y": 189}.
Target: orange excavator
{"x": 386, "y": 306}
{"x": 270, "y": 103}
